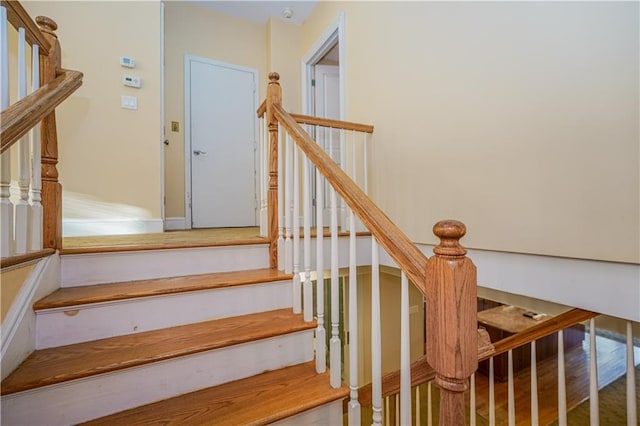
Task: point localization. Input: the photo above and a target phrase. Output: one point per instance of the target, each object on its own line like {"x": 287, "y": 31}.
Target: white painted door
{"x": 327, "y": 105}
{"x": 222, "y": 105}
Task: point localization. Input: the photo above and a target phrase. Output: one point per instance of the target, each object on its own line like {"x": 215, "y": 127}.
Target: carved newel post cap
{"x": 47, "y": 25}
{"x": 274, "y": 77}
{"x": 449, "y": 232}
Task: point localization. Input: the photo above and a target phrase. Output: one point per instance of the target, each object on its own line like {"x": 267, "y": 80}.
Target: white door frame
{"x": 163, "y": 195}
{"x": 188, "y": 58}
{"x": 334, "y": 33}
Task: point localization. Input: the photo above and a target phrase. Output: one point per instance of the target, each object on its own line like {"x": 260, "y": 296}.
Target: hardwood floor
{"x": 611, "y": 365}
{"x": 170, "y": 239}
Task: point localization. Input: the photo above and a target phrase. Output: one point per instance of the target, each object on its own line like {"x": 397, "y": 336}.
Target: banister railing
{"x": 448, "y": 279}
{"x": 32, "y": 227}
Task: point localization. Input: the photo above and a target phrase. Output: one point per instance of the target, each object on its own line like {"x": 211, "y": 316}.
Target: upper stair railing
{"x": 447, "y": 280}
{"x": 31, "y": 219}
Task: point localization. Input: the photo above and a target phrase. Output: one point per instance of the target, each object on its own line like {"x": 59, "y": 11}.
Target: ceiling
{"x": 260, "y": 11}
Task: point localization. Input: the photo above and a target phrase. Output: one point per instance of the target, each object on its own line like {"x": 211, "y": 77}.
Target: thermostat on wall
{"x": 131, "y": 81}
{"x": 128, "y": 62}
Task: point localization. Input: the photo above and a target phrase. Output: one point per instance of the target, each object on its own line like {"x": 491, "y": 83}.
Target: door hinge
{"x": 313, "y": 202}
{"x": 313, "y": 82}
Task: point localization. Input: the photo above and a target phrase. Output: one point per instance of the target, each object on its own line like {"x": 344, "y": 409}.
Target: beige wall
{"x": 282, "y": 48}
{"x": 200, "y": 31}
{"x": 109, "y": 157}
{"x": 518, "y": 118}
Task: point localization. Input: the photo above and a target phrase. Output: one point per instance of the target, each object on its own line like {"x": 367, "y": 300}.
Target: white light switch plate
{"x": 129, "y": 102}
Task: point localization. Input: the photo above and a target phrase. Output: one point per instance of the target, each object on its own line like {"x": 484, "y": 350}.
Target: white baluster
{"x": 35, "y": 241}
{"x": 288, "y": 193}
{"x": 376, "y": 339}
{"x": 321, "y": 349}
{"x": 418, "y": 407}
{"x": 22, "y": 206}
{"x": 405, "y": 349}
{"x": 429, "y": 405}
{"x": 335, "y": 357}
{"x": 6, "y": 207}
{"x": 354, "y": 405}
{"x": 632, "y": 417}
{"x": 263, "y": 173}
{"x": 534, "y": 385}
{"x": 365, "y": 164}
{"x": 472, "y": 401}
{"x": 343, "y": 165}
{"x": 297, "y": 299}
{"x": 510, "y": 391}
{"x": 492, "y": 398}
{"x": 562, "y": 387}
{"x": 594, "y": 409}
{"x": 307, "y": 294}
{"x": 281, "y": 203}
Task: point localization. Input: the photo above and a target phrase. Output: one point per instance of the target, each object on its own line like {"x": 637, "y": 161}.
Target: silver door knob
{"x": 198, "y": 152}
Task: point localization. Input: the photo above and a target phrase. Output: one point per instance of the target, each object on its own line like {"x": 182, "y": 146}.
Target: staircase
{"x": 219, "y": 347}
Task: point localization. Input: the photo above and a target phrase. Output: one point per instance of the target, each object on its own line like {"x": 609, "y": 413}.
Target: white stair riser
{"x": 65, "y": 326}
{"x": 98, "y": 268}
{"x": 101, "y": 395}
{"x": 328, "y": 414}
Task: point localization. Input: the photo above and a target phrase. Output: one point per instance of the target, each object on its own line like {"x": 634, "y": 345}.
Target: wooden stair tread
{"x": 257, "y": 400}
{"x": 82, "y": 295}
{"x": 55, "y": 365}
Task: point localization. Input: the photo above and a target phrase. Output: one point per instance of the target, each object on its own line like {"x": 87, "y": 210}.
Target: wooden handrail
{"x": 408, "y": 257}
{"x": 336, "y": 124}
{"x": 21, "y": 116}
{"x": 545, "y": 328}
{"x": 24, "y": 258}
{"x": 19, "y": 18}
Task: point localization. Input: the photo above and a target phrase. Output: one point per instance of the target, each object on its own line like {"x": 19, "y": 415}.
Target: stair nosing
{"x": 260, "y": 278}
{"x": 301, "y": 326}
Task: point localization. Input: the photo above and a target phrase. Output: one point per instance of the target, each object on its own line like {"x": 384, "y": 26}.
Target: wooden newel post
{"x": 50, "y": 66}
{"x": 452, "y": 336}
{"x": 274, "y": 97}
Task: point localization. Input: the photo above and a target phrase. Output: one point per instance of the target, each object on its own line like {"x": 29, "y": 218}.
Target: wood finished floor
{"x": 172, "y": 239}
{"x": 611, "y": 357}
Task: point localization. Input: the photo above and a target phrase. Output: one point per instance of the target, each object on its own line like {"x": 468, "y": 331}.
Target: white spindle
{"x": 492, "y": 398}
{"x": 22, "y": 206}
{"x": 632, "y": 417}
{"x": 334, "y": 343}
{"x": 365, "y": 163}
{"x": 510, "y": 391}
{"x": 263, "y": 174}
{"x": 405, "y": 350}
{"x": 354, "y": 405}
{"x": 35, "y": 242}
{"x": 429, "y": 405}
{"x": 534, "y": 385}
{"x": 297, "y": 300}
{"x": 562, "y": 387}
{"x": 418, "y": 407}
{"x": 343, "y": 165}
{"x": 594, "y": 409}
{"x": 321, "y": 349}
{"x": 281, "y": 203}
{"x": 376, "y": 339}
{"x": 307, "y": 294}
{"x": 6, "y": 207}
{"x": 288, "y": 206}
{"x": 472, "y": 401}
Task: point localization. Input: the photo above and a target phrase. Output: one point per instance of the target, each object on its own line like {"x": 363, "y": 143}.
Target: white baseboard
{"x": 85, "y": 227}
{"x": 175, "y": 223}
